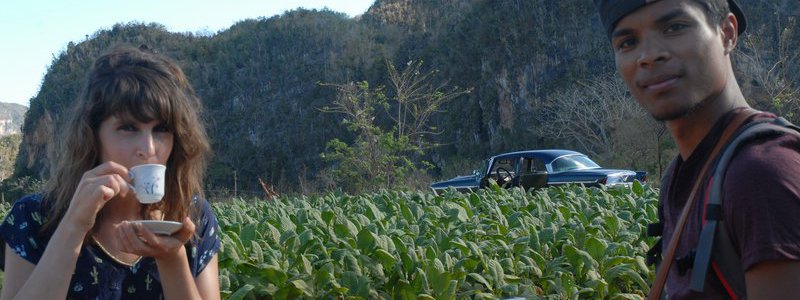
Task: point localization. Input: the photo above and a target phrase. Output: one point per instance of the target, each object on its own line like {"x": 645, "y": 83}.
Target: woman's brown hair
{"x": 133, "y": 83}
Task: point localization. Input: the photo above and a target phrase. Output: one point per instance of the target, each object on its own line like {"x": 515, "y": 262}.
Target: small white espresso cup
{"x": 148, "y": 182}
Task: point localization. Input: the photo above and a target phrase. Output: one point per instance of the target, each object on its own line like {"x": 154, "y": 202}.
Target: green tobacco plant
{"x": 561, "y": 242}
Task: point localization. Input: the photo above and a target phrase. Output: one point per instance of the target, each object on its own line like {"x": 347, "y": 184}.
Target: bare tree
{"x": 416, "y": 99}
{"x": 600, "y": 118}
{"x": 588, "y": 113}
{"x": 771, "y": 70}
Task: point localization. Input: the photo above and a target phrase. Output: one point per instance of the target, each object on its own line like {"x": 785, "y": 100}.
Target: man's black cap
{"x": 611, "y": 11}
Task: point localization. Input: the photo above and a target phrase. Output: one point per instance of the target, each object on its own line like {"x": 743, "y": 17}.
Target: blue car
{"x": 541, "y": 168}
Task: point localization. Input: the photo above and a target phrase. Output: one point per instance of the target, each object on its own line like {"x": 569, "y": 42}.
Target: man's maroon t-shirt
{"x": 761, "y": 204}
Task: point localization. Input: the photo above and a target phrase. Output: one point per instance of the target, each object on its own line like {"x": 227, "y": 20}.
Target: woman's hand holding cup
{"x": 96, "y": 187}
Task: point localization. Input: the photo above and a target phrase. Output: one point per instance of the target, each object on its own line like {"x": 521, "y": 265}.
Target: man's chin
{"x": 675, "y": 113}
{"x": 669, "y": 116}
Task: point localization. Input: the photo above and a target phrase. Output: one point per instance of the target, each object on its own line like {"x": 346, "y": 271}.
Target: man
{"x": 675, "y": 58}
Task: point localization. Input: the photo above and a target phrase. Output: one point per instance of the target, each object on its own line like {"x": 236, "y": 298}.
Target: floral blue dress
{"x": 97, "y": 276}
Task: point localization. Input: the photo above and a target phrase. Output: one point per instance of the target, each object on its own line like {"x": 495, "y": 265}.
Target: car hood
{"x": 460, "y": 181}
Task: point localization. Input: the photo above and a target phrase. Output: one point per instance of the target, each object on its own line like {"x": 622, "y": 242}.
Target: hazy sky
{"x": 34, "y": 31}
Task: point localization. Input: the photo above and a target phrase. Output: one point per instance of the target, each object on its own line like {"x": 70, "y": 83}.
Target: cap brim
{"x": 742, "y": 22}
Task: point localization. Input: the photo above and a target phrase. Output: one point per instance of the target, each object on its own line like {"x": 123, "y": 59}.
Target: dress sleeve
{"x": 206, "y": 243}
{"x": 765, "y": 197}
{"x": 20, "y": 230}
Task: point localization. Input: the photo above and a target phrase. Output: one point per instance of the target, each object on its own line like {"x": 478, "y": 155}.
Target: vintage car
{"x": 540, "y": 168}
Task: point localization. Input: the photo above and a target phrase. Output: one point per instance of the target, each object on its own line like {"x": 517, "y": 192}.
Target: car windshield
{"x": 573, "y": 162}
{"x": 484, "y": 164}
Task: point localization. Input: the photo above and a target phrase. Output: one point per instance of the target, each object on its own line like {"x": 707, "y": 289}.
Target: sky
{"x": 33, "y": 32}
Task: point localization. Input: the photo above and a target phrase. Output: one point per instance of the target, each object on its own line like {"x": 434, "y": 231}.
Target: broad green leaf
{"x": 357, "y": 284}
{"x": 224, "y": 282}
{"x": 351, "y": 264}
{"x": 256, "y": 254}
{"x": 306, "y": 265}
{"x": 373, "y": 212}
{"x": 305, "y": 238}
{"x": 385, "y": 258}
{"x": 242, "y": 292}
{"x": 579, "y": 259}
{"x": 468, "y": 263}
{"x": 301, "y": 285}
{"x": 366, "y": 240}
{"x": 480, "y": 279}
{"x": 638, "y": 188}
{"x": 403, "y": 290}
{"x": 289, "y": 240}
{"x": 408, "y": 262}
{"x": 460, "y": 245}
{"x": 249, "y": 233}
{"x": 627, "y": 296}
{"x": 405, "y": 212}
{"x": 600, "y": 286}
{"x": 439, "y": 282}
{"x": 497, "y": 273}
{"x": 274, "y": 275}
{"x": 510, "y": 289}
{"x": 482, "y": 295}
{"x": 328, "y": 216}
{"x": 274, "y": 233}
{"x": 457, "y": 213}
{"x": 596, "y": 247}
{"x": 229, "y": 249}
{"x": 293, "y": 290}
{"x": 450, "y": 292}
{"x": 476, "y": 251}
{"x": 286, "y": 223}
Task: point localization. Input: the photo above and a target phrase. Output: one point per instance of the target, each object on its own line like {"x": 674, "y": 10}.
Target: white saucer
{"x": 161, "y": 227}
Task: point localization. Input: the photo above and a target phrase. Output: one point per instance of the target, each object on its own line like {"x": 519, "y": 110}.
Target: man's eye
{"x": 675, "y": 27}
{"x": 626, "y": 44}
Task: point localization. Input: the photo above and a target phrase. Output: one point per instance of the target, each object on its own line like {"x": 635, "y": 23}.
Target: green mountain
{"x": 528, "y": 63}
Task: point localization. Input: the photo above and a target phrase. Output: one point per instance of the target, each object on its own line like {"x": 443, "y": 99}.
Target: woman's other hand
{"x": 136, "y": 238}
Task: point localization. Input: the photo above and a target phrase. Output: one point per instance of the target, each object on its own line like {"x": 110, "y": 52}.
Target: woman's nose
{"x": 146, "y": 146}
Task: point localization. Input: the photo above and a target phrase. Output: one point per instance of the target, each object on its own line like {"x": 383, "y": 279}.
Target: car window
{"x": 573, "y": 162}
{"x": 531, "y": 165}
{"x": 507, "y": 164}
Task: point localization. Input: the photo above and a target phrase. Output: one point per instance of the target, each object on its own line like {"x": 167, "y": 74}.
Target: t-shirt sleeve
{"x": 207, "y": 241}
{"x": 20, "y": 230}
{"x": 763, "y": 187}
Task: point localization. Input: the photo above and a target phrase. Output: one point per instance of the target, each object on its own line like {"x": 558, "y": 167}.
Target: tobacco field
{"x": 558, "y": 243}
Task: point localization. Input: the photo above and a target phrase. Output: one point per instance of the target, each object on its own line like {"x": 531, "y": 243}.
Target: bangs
{"x": 143, "y": 97}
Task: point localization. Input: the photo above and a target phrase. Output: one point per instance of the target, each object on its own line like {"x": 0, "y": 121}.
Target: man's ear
{"x": 730, "y": 29}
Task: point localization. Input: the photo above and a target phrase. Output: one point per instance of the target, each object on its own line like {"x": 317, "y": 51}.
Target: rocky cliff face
{"x": 11, "y": 118}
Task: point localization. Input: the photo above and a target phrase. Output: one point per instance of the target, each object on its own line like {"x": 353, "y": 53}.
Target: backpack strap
{"x": 663, "y": 270}
{"x": 653, "y": 256}
{"x": 715, "y": 248}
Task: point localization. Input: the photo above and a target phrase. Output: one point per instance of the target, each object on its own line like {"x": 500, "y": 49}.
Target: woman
{"x": 76, "y": 240}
